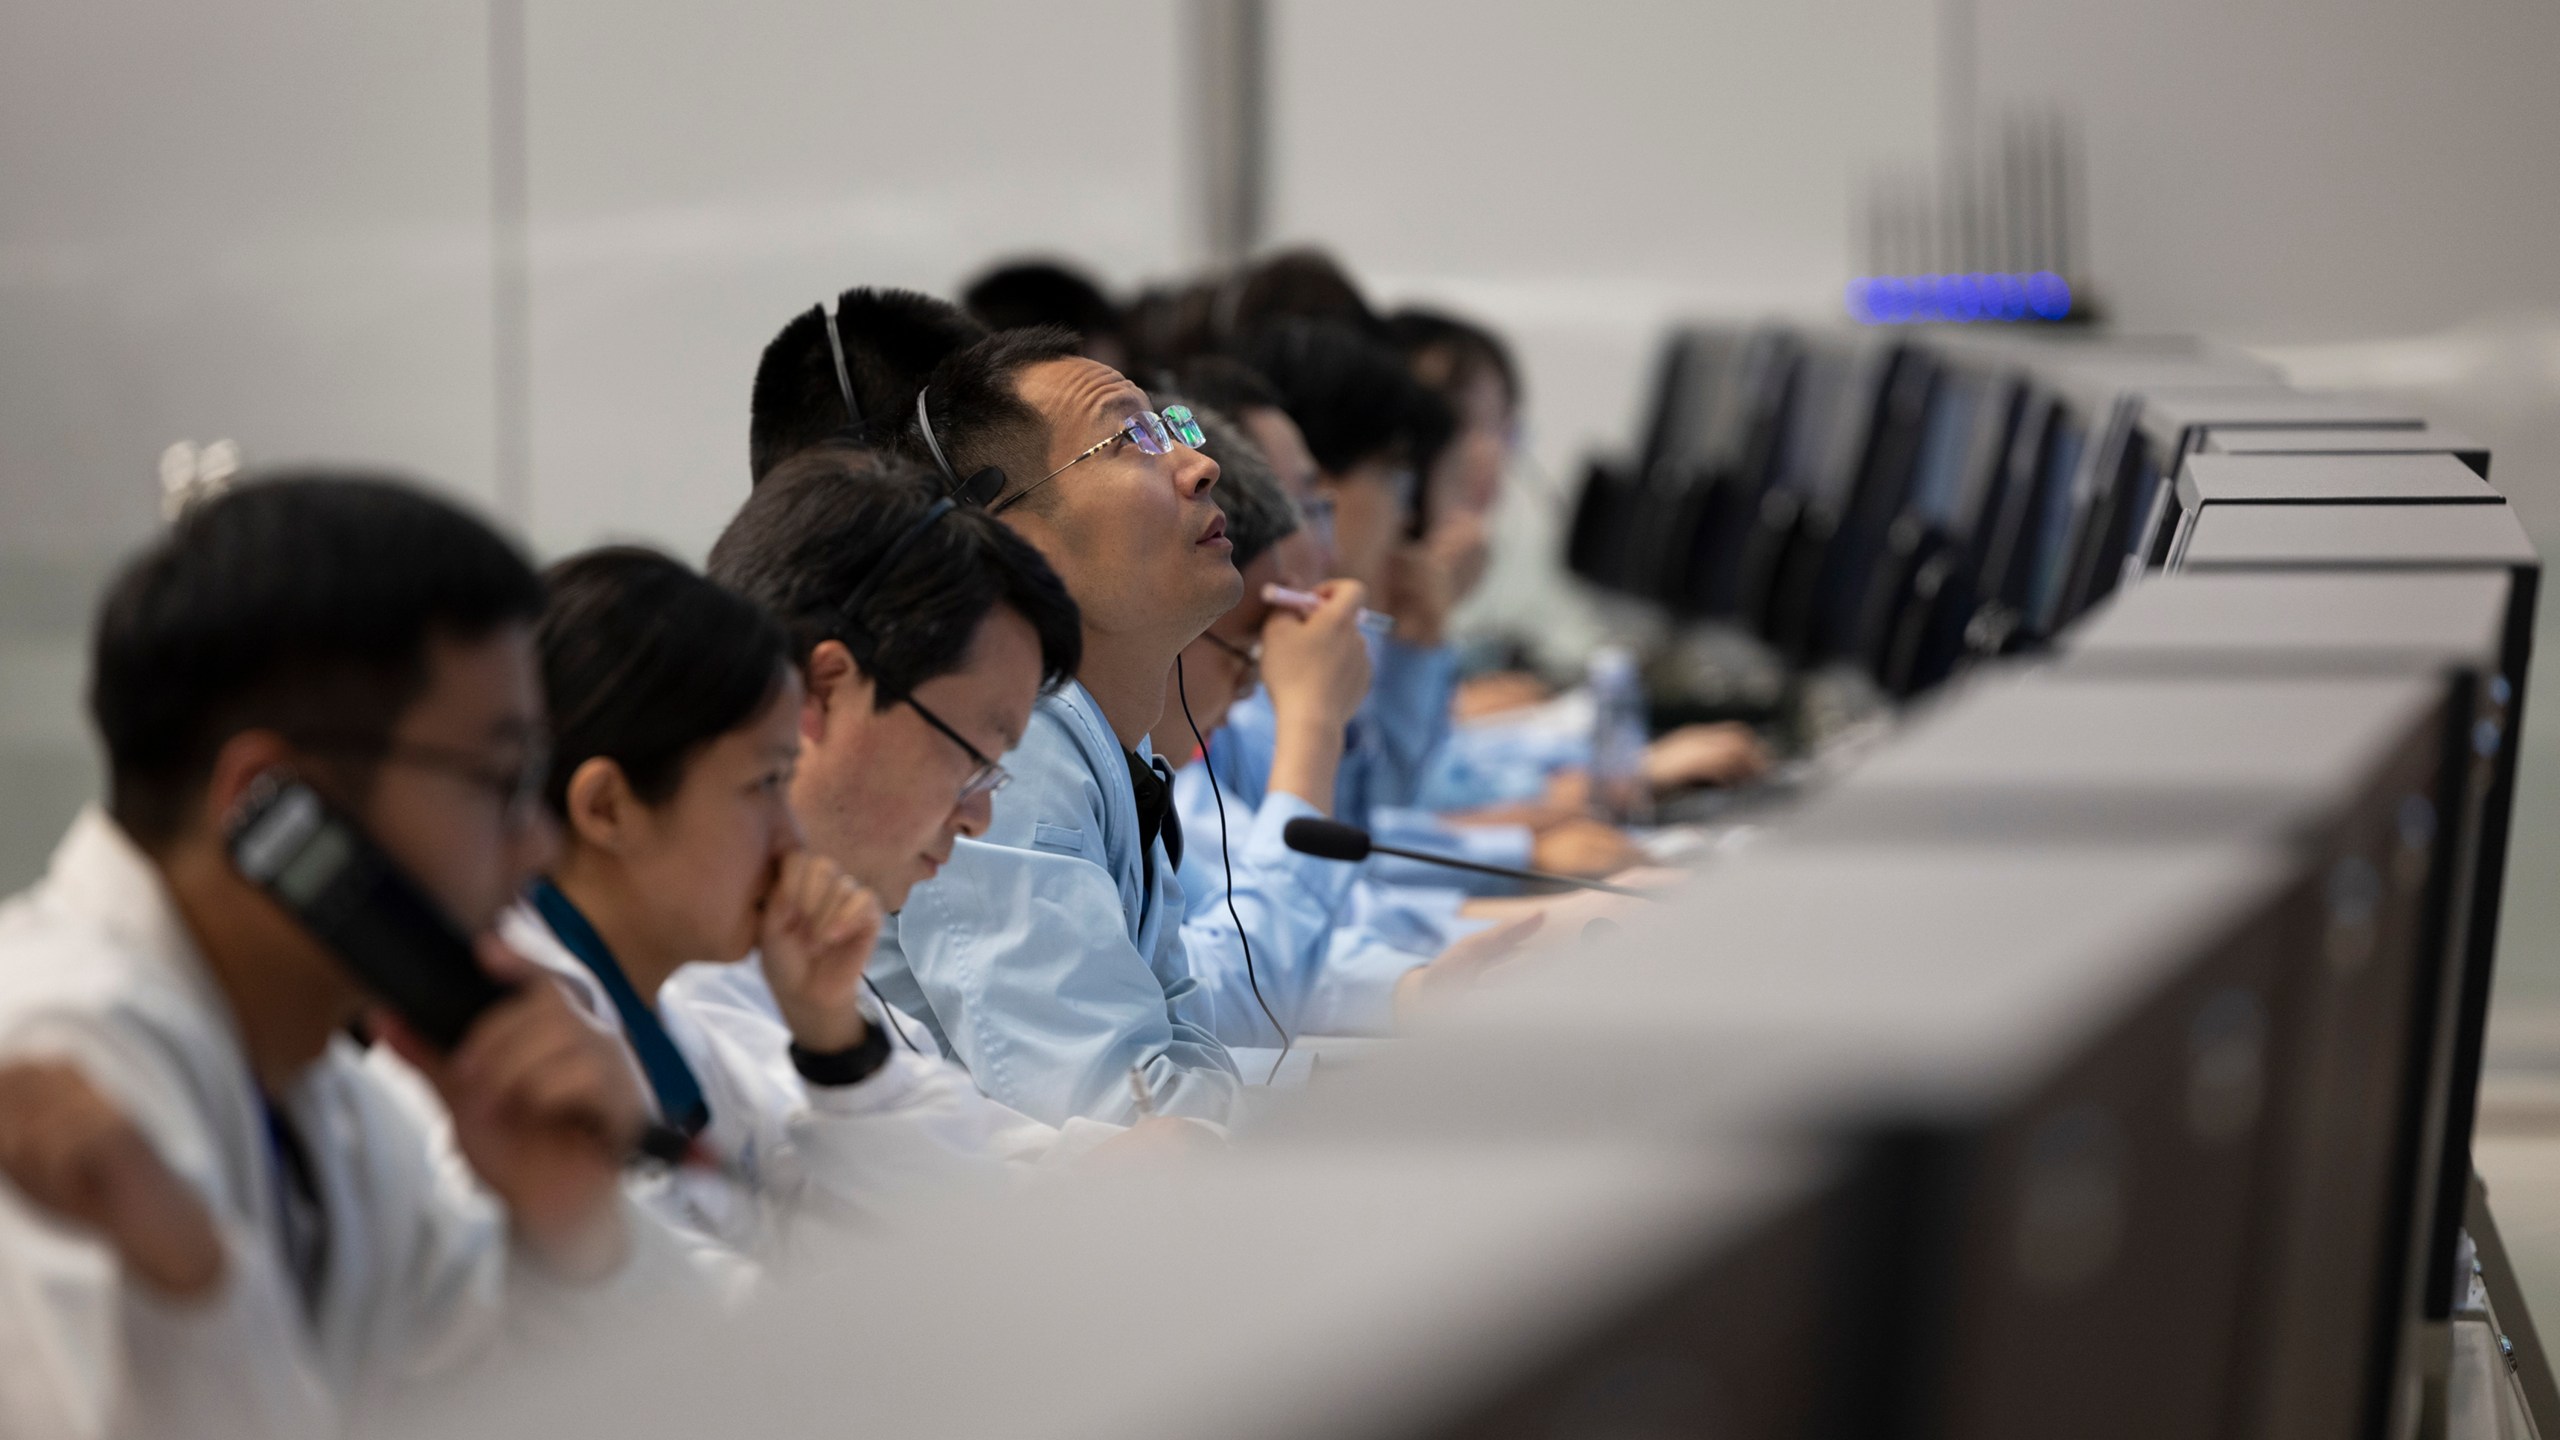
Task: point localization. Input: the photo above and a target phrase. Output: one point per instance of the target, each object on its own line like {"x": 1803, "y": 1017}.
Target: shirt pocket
{"x": 1066, "y": 839}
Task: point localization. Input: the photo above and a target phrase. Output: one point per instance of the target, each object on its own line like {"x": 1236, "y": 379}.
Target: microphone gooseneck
{"x": 1333, "y": 840}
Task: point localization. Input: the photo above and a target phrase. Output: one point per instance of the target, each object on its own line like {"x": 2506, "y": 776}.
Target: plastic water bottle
{"x": 1618, "y": 736}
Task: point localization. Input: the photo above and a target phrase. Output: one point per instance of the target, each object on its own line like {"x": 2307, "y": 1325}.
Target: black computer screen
{"x": 1805, "y": 443}
{"x": 2138, "y": 503}
{"x": 1937, "y": 481}
{"x": 2049, "y": 561}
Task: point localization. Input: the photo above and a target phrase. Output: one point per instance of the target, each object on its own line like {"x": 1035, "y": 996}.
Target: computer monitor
{"x": 2350, "y": 774}
{"x": 1830, "y": 426}
{"x": 1927, "y": 589}
{"x": 2369, "y": 538}
{"x": 2009, "y": 1037}
{"x": 1697, "y": 572}
{"x": 2061, "y": 506}
{"x": 2451, "y": 623}
{"x": 1823, "y": 618}
{"x": 2348, "y": 479}
{"x": 2179, "y": 417}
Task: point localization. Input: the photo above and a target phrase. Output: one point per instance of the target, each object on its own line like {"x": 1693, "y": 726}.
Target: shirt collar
{"x": 99, "y": 874}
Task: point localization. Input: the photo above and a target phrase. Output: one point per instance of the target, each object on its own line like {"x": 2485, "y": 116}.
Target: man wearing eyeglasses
{"x": 221, "y": 1218}
{"x": 1048, "y": 954}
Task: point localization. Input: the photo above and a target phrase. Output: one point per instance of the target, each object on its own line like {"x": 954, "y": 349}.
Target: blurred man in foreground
{"x": 232, "y": 1224}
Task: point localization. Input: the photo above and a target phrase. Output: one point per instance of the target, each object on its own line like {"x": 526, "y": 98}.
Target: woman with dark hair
{"x": 676, "y": 731}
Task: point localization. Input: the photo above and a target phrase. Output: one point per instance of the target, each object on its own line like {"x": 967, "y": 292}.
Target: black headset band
{"x": 979, "y": 489}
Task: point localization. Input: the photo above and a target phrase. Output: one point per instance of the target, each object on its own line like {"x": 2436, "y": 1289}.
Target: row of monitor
{"x": 2095, "y": 1059}
{"x": 1908, "y": 505}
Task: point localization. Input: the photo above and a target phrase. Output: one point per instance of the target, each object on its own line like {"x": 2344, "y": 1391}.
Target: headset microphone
{"x": 1333, "y": 840}
{"x": 980, "y": 489}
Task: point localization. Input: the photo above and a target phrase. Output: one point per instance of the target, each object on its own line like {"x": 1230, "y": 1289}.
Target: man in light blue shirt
{"x": 1048, "y": 955}
{"x": 1331, "y": 952}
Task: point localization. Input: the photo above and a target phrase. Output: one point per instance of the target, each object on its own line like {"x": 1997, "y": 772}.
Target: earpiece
{"x": 979, "y": 490}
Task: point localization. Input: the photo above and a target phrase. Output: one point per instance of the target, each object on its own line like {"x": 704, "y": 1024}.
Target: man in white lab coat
{"x": 217, "y": 1219}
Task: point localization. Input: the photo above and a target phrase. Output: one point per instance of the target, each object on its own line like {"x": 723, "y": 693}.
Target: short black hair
{"x": 644, "y": 662}
{"x": 1168, "y": 325}
{"x": 979, "y": 416}
{"x": 1351, "y": 396}
{"x": 298, "y": 601}
{"x": 811, "y": 539}
{"x": 1025, "y": 293}
{"x": 892, "y": 340}
{"x": 1259, "y": 512}
{"x": 1448, "y": 353}
{"x": 1302, "y": 284}
{"x": 1225, "y": 383}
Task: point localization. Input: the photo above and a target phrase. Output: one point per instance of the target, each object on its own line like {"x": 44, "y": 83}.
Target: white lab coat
{"x": 97, "y": 968}
{"x": 914, "y": 1129}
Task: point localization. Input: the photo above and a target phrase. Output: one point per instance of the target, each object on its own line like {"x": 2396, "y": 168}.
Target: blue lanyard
{"x": 679, "y": 1093}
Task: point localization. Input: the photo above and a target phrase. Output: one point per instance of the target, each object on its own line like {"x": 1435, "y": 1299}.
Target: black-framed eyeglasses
{"x": 986, "y": 778}
{"x": 517, "y": 788}
{"x": 1154, "y": 433}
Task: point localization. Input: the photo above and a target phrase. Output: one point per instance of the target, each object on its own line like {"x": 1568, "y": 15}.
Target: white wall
{"x": 702, "y": 171}
{"x": 1580, "y": 176}
{"x": 263, "y": 220}
{"x": 266, "y": 220}
{"x": 270, "y": 219}
{"x": 2275, "y": 171}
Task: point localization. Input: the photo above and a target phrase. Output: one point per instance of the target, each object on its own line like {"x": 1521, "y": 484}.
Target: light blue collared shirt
{"x": 1393, "y": 743}
{"x": 1048, "y": 956}
{"x": 1328, "y": 946}
{"x": 1507, "y": 760}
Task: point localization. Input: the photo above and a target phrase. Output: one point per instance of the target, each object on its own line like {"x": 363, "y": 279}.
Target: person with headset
{"x": 224, "y": 1218}
{"x": 1048, "y": 955}
{"x": 847, "y": 370}
{"x": 1335, "y": 956}
{"x": 1505, "y": 752}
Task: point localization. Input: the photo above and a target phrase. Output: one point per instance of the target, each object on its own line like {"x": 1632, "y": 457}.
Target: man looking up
{"x": 1048, "y": 955}
{"x": 1327, "y": 957}
{"x": 247, "y": 1230}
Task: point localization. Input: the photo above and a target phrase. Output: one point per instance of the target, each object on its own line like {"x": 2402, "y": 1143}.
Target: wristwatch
{"x": 849, "y": 1066}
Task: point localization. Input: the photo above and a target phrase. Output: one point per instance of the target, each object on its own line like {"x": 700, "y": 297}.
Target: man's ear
{"x": 602, "y": 809}
{"x": 236, "y": 766}
{"x": 839, "y": 693}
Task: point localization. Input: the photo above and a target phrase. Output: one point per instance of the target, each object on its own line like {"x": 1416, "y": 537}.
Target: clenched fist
{"x": 544, "y": 1108}
{"x": 819, "y": 927}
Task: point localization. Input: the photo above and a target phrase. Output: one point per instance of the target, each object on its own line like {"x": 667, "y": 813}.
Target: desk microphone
{"x": 1333, "y": 840}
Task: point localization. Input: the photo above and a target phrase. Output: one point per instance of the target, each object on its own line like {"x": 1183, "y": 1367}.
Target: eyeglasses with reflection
{"x": 1153, "y": 432}
{"x": 986, "y": 776}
